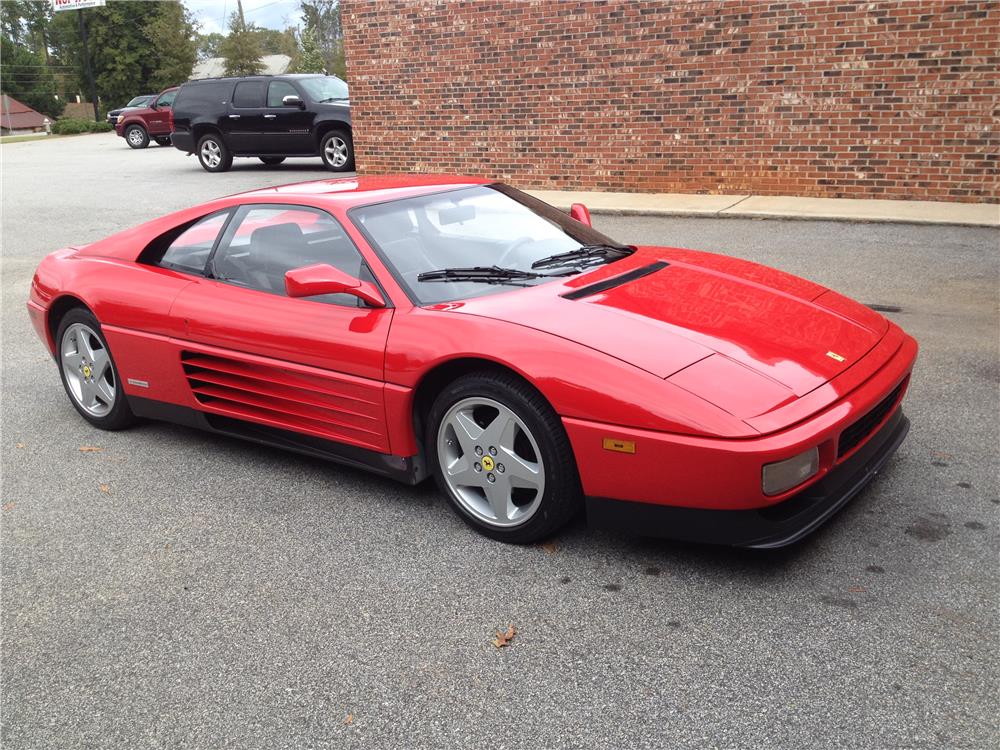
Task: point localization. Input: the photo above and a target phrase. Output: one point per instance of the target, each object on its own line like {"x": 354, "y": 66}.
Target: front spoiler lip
{"x": 771, "y": 527}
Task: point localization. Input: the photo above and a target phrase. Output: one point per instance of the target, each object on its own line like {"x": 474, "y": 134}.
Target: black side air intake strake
{"x": 603, "y": 286}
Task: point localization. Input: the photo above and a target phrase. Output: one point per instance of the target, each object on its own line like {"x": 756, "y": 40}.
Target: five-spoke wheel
{"x": 501, "y": 455}
{"x": 88, "y": 372}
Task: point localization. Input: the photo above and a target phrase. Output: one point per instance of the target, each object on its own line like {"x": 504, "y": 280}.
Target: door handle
{"x": 267, "y": 117}
{"x": 234, "y": 117}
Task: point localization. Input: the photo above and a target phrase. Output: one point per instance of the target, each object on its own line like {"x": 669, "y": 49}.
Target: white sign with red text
{"x": 58, "y": 5}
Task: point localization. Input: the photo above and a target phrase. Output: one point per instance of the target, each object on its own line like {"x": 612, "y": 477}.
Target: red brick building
{"x": 827, "y": 98}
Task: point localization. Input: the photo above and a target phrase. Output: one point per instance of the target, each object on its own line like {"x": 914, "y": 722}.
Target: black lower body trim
{"x": 774, "y": 526}
{"x": 406, "y": 469}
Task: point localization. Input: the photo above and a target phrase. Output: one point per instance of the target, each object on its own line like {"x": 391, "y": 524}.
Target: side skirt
{"x": 406, "y": 469}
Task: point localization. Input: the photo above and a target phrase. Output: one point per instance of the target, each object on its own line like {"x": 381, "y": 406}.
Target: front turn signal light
{"x": 783, "y": 475}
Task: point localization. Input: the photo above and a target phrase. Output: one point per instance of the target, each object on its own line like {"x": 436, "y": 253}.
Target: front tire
{"x": 213, "y": 154}
{"x": 136, "y": 136}
{"x": 89, "y": 373}
{"x": 272, "y": 161}
{"x": 337, "y": 150}
{"x": 500, "y": 454}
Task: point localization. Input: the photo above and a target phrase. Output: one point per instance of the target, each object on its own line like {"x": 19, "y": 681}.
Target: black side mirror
{"x": 291, "y": 101}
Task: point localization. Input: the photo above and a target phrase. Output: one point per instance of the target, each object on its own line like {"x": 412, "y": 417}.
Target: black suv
{"x": 270, "y": 117}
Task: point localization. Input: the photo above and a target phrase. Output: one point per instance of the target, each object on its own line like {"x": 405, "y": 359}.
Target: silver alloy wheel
{"x": 490, "y": 462}
{"x": 86, "y": 365}
{"x": 211, "y": 154}
{"x": 336, "y": 151}
{"x": 135, "y": 136}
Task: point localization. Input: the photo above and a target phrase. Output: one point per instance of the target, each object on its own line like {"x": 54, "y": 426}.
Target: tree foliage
{"x": 310, "y": 57}
{"x": 209, "y": 44}
{"x": 241, "y": 49}
{"x": 322, "y": 19}
{"x": 25, "y": 70}
{"x": 171, "y": 34}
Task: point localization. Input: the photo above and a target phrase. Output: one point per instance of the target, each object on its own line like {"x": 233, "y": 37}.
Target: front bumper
{"x": 769, "y": 527}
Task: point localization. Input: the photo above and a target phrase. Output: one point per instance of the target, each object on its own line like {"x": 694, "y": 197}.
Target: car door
{"x": 288, "y": 130}
{"x": 243, "y": 126}
{"x": 310, "y": 365}
{"x": 158, "y": 120}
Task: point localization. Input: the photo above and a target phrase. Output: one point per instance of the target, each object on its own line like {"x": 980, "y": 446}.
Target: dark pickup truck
{"x": 267, "y": 117}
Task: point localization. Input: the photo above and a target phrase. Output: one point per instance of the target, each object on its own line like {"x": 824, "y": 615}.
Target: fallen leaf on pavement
{"x": 857, "y": 589}
{"x": 505, "y": 637}
{"x": 90, "y": 449}
{"x": 105, "y": 489}
{"x": 19, "y": 445}
{"x": 349, "y": 719}
{"x": 549, "y": 548}
{"x": 9, "y": 506}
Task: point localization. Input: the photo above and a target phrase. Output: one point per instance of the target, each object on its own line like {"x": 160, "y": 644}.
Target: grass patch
{"x": 19, "y": 138}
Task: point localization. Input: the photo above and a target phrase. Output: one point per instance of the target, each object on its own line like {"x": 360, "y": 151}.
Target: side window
{"x": 278, "y": 90}
{"x": 264, "y": 241}
{"x": 189, "y": 251}
{"x": 167, "y": 99}
{"x": 249, "y": 94}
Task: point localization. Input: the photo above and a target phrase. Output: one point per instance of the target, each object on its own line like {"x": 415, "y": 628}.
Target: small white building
{"x": 215, "y": 67}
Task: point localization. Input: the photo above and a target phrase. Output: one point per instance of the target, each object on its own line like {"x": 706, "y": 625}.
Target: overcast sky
{"x": 271, "y": 14}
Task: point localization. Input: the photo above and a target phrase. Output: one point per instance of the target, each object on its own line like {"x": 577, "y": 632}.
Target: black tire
{"x": 272, "y": 161}
{"x": 225, "y": 156}
{"x": 120, "y": 416}
{"x": 163, "y": 140}
{"x": 562, "y": 496}
{"x": 342, "y": 139}
{"x": 136, "y": 136}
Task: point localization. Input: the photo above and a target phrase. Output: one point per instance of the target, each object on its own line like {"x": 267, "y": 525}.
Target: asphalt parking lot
{"x": 174, "y": 589}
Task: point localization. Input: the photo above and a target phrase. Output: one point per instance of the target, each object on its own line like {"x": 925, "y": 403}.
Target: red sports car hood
{"x": 746, "y": 337}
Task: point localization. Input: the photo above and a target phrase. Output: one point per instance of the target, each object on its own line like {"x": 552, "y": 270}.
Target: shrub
{"x": 74, "y": 125}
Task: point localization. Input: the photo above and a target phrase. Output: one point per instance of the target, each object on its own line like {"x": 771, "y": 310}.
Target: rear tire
{"x": 502, "y": 457}
{"x": 136, "y": 136}
{"x": 272, "y": 161}
{"x": 337, "y": 150}
{"x": 213, "y": 154}
{"x": 89, "y": 373}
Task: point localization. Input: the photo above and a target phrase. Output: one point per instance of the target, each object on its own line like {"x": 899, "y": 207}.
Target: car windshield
{"x": 139, "y": 101}
{"x": 478, "y": 228}
{"x": 324, "y": 88}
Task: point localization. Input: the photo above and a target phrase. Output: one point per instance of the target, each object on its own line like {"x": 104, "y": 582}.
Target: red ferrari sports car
{"x": 458, "y": 327}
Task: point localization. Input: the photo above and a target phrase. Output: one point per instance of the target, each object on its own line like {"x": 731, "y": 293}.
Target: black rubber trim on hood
{"x": 603, "y": 286}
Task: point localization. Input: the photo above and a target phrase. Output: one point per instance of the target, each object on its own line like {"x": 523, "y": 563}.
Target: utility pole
{"x": 86, "y": 59}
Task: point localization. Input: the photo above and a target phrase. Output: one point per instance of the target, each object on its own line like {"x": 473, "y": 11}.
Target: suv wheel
{"x": 272, "y": 161}
{"x": 213, "y": 154}
{"x": 337, "y": 150}
{"x": 136, "y": 136}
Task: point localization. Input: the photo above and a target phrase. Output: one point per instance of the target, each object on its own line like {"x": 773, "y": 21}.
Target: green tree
{"x": 274, "y": 42}
{"x": 310, "y": 57}
{"x": 25, "y": 76}
{"x": 171, "y": 36}
{"x": 322, "y": 17}
{"x": 208, "y": 45}
{"x": 241, "y": 49}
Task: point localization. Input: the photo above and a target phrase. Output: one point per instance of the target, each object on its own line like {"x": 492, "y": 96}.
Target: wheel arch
{"x": 325, "y": 126}
{"x": 57, "y": 311}
{"x": 201, "y": 129}
{"x": 437, "y": 378}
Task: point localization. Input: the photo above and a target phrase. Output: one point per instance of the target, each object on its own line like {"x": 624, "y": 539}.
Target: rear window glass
{"x": 190, "y": 250}
{"x": 249, "y": 94}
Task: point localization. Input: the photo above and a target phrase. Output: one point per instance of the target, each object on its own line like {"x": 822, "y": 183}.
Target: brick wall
{"x": 837, "y": 99}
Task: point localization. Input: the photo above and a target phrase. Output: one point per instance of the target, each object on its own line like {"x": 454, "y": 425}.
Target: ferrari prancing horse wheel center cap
{"x": 487, "y": 463}
{"x": 87, "y": 371}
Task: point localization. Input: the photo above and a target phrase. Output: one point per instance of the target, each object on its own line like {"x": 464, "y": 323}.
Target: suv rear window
{"x": 249, "y": 94}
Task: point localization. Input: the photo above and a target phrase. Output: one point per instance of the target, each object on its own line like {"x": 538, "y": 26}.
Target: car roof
{"x": 257, "y": 77}
{"x": 366, "y": 189}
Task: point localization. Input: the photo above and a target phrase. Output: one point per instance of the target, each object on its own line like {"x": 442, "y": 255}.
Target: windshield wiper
{"x": 587, "y": 252}
{"x": 483, "y": 274}
{"x": 334, "y": 99}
